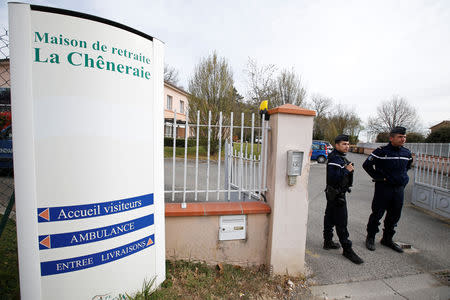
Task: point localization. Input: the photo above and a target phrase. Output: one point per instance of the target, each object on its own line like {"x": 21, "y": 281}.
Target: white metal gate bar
{"x": 196, "y": 157}
{"x": 174, "y": 127}
{"x": 433, "y": 149}
{"x": 241, "y": 158}
{"x": 220, "y": 155}
{"x": 448, "y": 165}
{"x": 230, "y": 164}
{"x": 186, "y": 127}
{"x": 246, "y": 173}
{"x": 245, "y": 170}
{"x": 431, "y": 186}
{"x": 252, "y": 136}
{"x": 209, "y": 149}
{"x": 432, "y": 170}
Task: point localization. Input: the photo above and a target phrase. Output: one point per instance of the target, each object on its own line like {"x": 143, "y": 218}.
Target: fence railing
{"x": 431, "y": 187}
{"x": 432, "y": 170}
{"x": 237, "y": 172}
{"x": 242, "y": 174}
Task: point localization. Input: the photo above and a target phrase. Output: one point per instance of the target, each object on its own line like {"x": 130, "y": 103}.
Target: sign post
{"x": 87, "y": 103}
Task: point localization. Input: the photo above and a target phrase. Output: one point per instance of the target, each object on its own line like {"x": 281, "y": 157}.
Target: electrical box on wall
{"x": 232, "y": 227}
{"x": 294, "y": 166}
{"x": 294, "y": 163}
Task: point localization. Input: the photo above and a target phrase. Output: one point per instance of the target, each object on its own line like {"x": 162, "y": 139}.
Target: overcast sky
{"x": 359, "y": 53}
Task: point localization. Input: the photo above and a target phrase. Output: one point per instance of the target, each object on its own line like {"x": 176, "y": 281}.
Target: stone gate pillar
{"x": 291, "y": 129}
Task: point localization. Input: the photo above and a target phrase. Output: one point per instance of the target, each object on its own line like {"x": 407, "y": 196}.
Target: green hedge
{"x": 168, "y": 142}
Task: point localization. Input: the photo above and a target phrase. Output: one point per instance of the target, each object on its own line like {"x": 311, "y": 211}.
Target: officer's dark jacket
{"x": 390, "y": 163}
{"x": 337, "y": 175}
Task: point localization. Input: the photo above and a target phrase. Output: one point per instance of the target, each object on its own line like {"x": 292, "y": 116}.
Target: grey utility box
{"x": 294, "y": 163}
{"x": 233, "y": 227}
{"x": 294, "y": 166}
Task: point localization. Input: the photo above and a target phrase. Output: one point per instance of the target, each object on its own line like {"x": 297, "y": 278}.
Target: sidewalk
{"x": 420, "y": 287}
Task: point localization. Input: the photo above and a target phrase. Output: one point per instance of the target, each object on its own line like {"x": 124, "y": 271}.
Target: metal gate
{"x": 431, "y": 186}
{"x": 236, "y": 172}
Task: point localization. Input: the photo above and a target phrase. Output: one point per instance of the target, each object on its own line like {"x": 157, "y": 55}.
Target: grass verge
{"x": 9, "y": 268}
{"x": 195, "y": 280}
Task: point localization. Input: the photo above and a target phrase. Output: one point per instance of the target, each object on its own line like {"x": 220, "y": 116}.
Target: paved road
{"x": 429, "y": 236}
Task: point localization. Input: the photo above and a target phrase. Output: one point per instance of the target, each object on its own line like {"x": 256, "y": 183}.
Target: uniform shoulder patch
{"x": 370, "y": 158}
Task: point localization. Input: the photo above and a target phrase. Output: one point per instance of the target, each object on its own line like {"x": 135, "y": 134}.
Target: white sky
{"x": 357, "y": 52}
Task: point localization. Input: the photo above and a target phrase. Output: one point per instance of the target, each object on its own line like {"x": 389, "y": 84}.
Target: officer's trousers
{"x": 387, "y": 198}
{"x": 336, "y": 215}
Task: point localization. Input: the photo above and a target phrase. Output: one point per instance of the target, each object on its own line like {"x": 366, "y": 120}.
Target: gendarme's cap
{"x": 398, "y": 130}
{"x": 340, "y": 138}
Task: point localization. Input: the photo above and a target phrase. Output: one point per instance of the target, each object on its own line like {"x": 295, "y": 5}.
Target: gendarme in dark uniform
{"x": 388, "y": 167}
{"x": 339, "y": 180}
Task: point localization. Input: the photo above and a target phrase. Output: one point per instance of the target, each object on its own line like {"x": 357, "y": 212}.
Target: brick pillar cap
{"x": 291, "y": 109}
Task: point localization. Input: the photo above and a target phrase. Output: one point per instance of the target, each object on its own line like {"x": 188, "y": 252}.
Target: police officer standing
{"x": 388, "y": 167}
{"x": 339, "y": 180}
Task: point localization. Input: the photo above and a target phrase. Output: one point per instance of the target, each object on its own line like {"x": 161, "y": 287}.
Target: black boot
{"x": 370, "y": 243}
{"x": 390, "y": 243}
{"x": 352, "y": 256}
{"x": 329, "y": 244}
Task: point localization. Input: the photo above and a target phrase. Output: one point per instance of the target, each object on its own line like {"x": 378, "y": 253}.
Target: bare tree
{"x": 211, "y": 89}
{"x": 321, "y": 105}
{"x": 332, "y": 120}
{"x": 289, "y": 89}
{"x": 354, "y": 128}
{"x": 343, "y": 121}
{"x": 170, "y": 75}
{"x": 396, "y": 112}
{"x": 261, "y": 82}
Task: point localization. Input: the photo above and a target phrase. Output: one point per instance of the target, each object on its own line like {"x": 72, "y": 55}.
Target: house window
{"x": 182, "y": 107}
{"x": 169, "y": 102}
{"x": 168, "y": 130}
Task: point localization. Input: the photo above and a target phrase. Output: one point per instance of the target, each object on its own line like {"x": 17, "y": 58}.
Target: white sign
{"x": 87, "y": 102}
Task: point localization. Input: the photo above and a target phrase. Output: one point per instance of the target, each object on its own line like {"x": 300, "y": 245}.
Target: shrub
{"x": 382, "y": 137}
{"x": 414, "y": 137}
{"x": 353, "y": 139}
{"x": 168, "y": 142}
{"x": 441, "y": 135}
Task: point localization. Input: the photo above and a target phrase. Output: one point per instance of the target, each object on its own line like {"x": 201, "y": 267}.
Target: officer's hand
{"x": 350, "y": 168}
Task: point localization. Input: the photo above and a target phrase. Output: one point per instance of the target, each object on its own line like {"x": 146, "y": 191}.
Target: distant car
{"x": 319, "y": 151}
{"x": 329, "y": 146}
{"x": 6, "y": 151}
